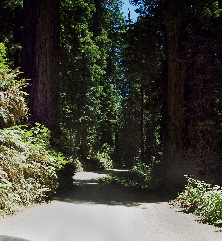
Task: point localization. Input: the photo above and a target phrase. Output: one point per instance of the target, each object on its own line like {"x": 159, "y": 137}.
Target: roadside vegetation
{"x": 198, "y": 197}
{"x": 111, "y": 93}
{"x": 142, "y": 176}
{"x": 30, "y": 170}
{"x": 202, "y": 199}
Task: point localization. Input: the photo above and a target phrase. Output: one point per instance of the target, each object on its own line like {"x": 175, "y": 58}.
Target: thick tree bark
{"x": 142, "y": 142}
{"x": 41, "y": 59}
{"x": 173, "y": 138}
{"x": 18, "y": 35}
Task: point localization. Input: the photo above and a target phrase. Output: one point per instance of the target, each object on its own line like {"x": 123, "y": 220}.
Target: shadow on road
{"x": 86, "y": 190}
{"x": 9, "y": 238}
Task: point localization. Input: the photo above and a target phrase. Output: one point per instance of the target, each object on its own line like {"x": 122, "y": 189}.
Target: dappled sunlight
{"x": 96, "y": 212}
{"x": 94, "y": 176}
{"x": 87, "y": 190}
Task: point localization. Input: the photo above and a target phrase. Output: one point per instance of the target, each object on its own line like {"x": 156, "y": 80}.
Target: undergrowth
{"x": 13, "y": 106}
{"x": 203, "y": 200}
{"x": 141, "y": 176}
{"x": 30, "y": 170}
{"x": 28, "y": 167}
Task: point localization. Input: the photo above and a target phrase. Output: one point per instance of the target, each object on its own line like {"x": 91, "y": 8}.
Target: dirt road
{"x": 93, "y": 212}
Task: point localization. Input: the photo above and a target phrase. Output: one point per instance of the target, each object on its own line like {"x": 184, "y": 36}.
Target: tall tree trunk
{"x": 142, "y": 144}
{"x": 17, "y": 35}
{"x": 173, "y": 138}
{"x": 41, "y": 59}
{"x": 97, "y": 18}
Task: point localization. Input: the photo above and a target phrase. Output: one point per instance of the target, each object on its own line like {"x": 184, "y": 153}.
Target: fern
{"x": 27, "y": 169}
{"x": 12, "y": 99}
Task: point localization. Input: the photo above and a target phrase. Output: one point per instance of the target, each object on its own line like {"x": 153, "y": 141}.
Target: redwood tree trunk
{"x": 173, "y": 138}
{"x": 142, "y": 144}
{"x": 41, "y": 59}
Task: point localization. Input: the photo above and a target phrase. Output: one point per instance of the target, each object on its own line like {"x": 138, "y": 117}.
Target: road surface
{"x": 94, "y": 212}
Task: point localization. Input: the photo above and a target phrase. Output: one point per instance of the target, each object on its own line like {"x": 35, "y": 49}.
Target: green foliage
{"x": 11, "y": 29}
{"x": 38, "y": 134}
{"x": 203, "y": 199}
{"x": 201, "y": 39}
{"x": 122, "y": 179}
{"x": 139, "y": 133}
{"x": 147, "y": 176}
{"x": 2, "y": 55}
{"x": 28, "y": 167}
{"x": 12, "y": 99}
{"x": 145, "y": 63}
{"x": 104, "y": 157}
{"x": 141, "y": 176}
{"x": 88, "y": 64}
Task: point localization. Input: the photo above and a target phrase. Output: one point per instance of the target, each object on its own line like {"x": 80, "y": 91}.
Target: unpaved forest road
{"x": 93, "y": 212}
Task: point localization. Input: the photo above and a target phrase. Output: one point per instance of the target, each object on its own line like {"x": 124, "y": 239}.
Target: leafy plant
{"x": 12, "y": 99}
{"x": 202, "y": 199}
{"x": 2, "y": 55}
{"x": 141, "y": 176}
{"x": 28, "y": 167}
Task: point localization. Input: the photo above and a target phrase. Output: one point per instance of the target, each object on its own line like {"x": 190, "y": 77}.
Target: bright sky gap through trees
{"x": 129, "y": 7}
{"x": 144, "y": 94}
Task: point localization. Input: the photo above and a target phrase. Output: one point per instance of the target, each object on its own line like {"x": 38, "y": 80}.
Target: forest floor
{"x": 95, "y": 212}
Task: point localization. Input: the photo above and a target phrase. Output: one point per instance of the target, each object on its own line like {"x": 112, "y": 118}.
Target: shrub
{"x": 145, "y": 176}
{"x": 141, "y": 176}
{"x": 12, "y": 99}
{"x": 123, "y": 179}
{"x": 202, "y": 199}
{"x": 28, "y": 167}
{"x": 3, "y": 58}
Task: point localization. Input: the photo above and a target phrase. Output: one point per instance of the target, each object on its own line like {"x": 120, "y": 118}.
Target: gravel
{"x": 94, "y": 212}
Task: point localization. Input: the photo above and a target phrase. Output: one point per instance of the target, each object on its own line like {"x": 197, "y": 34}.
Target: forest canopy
{"x": 113, "y": 93}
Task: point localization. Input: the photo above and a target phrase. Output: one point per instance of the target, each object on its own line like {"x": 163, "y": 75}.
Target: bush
{"x": 141, "y": 176}
{"x": 146, "y": 176}
{"x": 28, "y": 167}
{"x": 12, "y": 100}
{"x": 203, "y": 200}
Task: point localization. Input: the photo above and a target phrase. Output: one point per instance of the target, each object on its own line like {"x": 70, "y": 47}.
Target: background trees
{"x": 145, "y": 94}
{"x": 89, "y": 74}
{"x": 11, "y": 22}
{"x": 141, "y": 102}
{"x": 192, "y": 76}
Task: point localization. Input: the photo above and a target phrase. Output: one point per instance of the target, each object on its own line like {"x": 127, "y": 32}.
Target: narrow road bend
{"x": 94, "y": 212}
